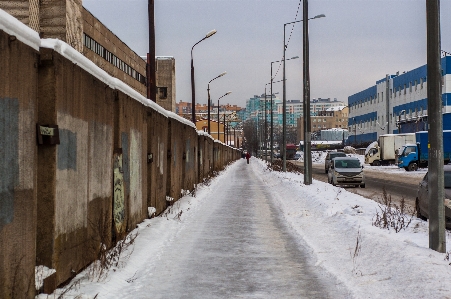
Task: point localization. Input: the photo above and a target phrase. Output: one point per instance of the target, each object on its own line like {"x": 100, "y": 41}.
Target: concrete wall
{"x": 63, "y": 197}
{"x": 74, "y": 181}
{"x": 18, "y": 105}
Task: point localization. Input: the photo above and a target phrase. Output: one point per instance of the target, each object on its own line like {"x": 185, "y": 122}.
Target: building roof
{"x": 335, "y": 108}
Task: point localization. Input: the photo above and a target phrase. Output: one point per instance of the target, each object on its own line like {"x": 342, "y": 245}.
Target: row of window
{"x": 397, "y": 91}
{"x": 380, "y": 119}
{"x": 91, "y": 44}
{"x": 324, "y": 126}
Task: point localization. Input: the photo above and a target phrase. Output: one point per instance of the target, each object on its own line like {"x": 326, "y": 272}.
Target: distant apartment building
{"x": 294, "y": 109}
{"x": 397, "y": 103}
{"x": 335, "y": 117}
{"x": 255, "y": 108}
{"x": 184, "y": 109}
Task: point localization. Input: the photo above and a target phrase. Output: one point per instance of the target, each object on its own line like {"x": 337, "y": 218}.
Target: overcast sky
{"x": 356, "y": 44}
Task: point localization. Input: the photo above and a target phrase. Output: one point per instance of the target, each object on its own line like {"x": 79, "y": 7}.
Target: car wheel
{"x": 362, "y": 185}
{"x": 412, "y": 167}
{"x": 418, "y": 210}
{"x": 376, "y": 163}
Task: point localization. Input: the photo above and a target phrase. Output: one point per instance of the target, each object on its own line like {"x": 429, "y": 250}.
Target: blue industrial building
{"x": 396, "y": 104}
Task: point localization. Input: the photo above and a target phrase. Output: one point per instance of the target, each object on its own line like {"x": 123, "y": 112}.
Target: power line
{"x": 289, "y": 38}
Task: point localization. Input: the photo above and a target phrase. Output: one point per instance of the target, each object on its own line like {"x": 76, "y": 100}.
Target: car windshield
{"x": 347, "y": 163}
{"x": 334, "y": 155}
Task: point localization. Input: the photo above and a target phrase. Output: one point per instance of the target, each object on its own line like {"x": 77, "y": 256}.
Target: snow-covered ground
{"x": 337, "y": 225}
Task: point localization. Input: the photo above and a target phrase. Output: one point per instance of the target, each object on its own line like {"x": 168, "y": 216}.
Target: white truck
{"x": 384, "y": 152}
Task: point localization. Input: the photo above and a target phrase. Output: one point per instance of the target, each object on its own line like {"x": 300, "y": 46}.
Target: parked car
{"x": 422, "y": 200}
{"x": 329, "y": 157}
{"x": 346, "y": 171}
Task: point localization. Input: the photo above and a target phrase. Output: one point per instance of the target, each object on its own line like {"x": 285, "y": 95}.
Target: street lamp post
{"x": 193, "y": 92}
{"x": 209, "y": 105}
{"x": 229, "y": 92}
{"x": 355, "y": 132}
{"x": 284, "y": 130}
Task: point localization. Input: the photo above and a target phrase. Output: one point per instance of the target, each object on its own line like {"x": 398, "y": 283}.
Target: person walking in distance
{"x": 248, "y": 156}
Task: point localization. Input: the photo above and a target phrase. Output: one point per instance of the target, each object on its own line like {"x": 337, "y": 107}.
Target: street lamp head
{"x": 295, "y": 57}
{"x": 229, "y": 92}
{"x": 210, "y": 33}
{"x": 222, "y": 74}
{"x": 320, "y": 16}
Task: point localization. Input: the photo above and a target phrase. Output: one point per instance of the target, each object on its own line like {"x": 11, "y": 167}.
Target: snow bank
{"x": 371, "y": 262}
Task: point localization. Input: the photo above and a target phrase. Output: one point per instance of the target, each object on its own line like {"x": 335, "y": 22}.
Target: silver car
{"x": 346, "y": 171}
{"x": 329, "y": 157}
{"x": 422, "y": 200}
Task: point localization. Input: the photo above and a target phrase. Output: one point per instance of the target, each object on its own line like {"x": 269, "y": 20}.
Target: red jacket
{"x": 248, "y": 155}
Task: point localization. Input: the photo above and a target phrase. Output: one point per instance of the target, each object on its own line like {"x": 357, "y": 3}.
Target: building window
{"x": 94, "y": 46}
{"x": 163, "y": 92}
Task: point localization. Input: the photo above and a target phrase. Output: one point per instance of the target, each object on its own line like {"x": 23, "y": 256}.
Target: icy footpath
{"x": 154, "y": 237}
{"x": 371, "y": 262}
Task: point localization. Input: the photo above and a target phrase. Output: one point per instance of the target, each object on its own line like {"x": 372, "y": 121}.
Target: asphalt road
{"x": 397, "y": 186}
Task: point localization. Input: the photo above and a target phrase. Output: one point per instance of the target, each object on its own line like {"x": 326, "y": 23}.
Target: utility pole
{"x": 151, "y": 80}
{"x": 307, "y": 125}
{"x": 387, "y": 102}
{"x": 437, "y": 236}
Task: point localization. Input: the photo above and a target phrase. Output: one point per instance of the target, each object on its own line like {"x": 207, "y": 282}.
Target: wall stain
{"x": 9, "y": 157}
{"x": 67, "y": 150}
{"x": 119, "y": 202}
{"x": 126, "y": 162}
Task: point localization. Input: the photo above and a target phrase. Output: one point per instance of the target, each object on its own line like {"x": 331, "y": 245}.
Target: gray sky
{"x": 356, "y": 44}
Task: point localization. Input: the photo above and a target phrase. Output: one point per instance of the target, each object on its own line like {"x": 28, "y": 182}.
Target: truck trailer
{"x": 384, "y": 152}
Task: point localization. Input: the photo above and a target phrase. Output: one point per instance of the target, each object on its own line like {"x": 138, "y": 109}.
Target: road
{"x": 238, "y": 246}
{"x": 397, "y": 186}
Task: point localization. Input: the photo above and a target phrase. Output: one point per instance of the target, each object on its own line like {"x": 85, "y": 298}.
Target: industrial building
{"x": 396, "y": 104}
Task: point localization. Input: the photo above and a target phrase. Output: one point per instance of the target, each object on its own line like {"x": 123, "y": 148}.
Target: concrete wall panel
{"x": 157, "y": 145}
{"x": 75, "y": 176}
{"x": 131, "y": 137}
{"x": 18, "y": 92}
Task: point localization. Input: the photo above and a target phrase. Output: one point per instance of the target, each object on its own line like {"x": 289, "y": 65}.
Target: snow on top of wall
{"x": 79, "y": 59}
{"x": 180, "y": 119}
{"x": 203, "y": 133}
{"x": 22, "y": 32}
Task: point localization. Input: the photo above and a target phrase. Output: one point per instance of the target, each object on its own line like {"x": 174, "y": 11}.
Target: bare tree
{"x": 250, "y": 133}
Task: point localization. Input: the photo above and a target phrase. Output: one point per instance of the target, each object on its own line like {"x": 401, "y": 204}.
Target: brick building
{"x": 333, "y": 117}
